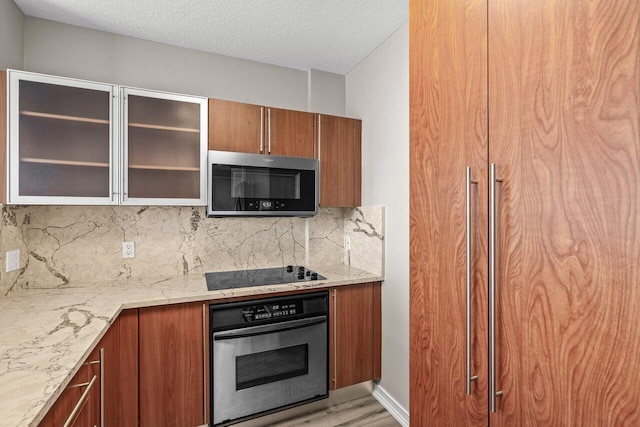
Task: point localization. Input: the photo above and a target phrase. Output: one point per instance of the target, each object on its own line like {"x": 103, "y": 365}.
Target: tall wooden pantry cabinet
{"x": 525, "y": 212}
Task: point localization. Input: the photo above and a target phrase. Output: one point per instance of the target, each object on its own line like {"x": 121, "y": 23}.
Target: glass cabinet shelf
{"x": 64, "y": 162}
{"x": 63, "y": 117}
{"x": 160, "y": 127}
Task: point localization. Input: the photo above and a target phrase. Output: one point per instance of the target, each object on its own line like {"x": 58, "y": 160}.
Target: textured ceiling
{"x": 329, "y": 35}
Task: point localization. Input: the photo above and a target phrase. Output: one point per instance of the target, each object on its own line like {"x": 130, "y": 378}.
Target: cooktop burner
{"x": 260, "y": 277}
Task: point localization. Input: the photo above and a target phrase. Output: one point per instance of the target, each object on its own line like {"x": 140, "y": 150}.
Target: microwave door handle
{"x": 268, "y": 329}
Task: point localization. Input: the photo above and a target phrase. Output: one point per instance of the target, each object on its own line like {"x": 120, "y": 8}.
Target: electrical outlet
{"x": 128, "y": 250}
{"x": 347, "y": 243}
{"x": 13, "y": 260}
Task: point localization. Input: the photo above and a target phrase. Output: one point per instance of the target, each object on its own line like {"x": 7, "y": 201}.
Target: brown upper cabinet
{"x": 246, "y": 128}
{"x": 289, "y": 133}
{"x": 234, "y": 126}
{"x": 339, "y": 152}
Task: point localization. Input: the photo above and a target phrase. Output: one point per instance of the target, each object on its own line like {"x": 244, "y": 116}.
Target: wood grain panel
{"x": 292, "y": 132}
{"x": 340, "y": 161}
{"x": 171, "y": 365}
{"x": 564, "y": 94}
{"x": 448, "y": 131}
{"x": 3, "y": 136}
{"x": 62, "y": 408}
{"x": 356, "y": 166}
{"x": 377, "y": 330}
{"x": 128, "y": 370}
{"x": 93, "y": 407}
{"x": 113, "y": 392}
{"x": 234, "y": 126}
{"x": 332, "y": 338}
{"x": 354, "y": 334}
{"x": 206, "y": 365}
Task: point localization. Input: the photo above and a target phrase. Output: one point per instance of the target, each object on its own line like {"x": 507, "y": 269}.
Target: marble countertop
{"x": 46, "y": 334}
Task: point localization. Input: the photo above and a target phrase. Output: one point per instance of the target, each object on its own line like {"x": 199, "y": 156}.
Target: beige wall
{"x": 326, "y": 92}
{"x": 377, "y": 91}
{"x": 66, "y": 50}
{"x": 11, "y": 35}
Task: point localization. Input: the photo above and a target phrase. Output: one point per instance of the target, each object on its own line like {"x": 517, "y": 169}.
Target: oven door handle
{"x": 268, "y": 329}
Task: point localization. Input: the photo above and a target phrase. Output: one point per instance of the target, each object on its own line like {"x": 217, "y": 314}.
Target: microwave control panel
{"x": 265, "y": 205}
{"x": 255, "y": 313}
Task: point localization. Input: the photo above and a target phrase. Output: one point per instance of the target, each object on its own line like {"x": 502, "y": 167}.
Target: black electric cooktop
{"x": 260, "y": 277}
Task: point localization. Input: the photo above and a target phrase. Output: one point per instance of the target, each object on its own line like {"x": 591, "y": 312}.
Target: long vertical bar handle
{"x": 335, "y": 340}
{"x": 492, "y": 288}
{"x": 469, "y": 376}
{"x": 269, "y": 135}
{"x": 205, "y": 331}
{"x": 102, "y": 381}
{"x": 261, "y": 129}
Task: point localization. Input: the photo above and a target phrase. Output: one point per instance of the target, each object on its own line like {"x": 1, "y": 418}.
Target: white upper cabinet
{"x": 62, "y": 144}
{"x": 73, "y": 142}
{"x": 164, "y": 148}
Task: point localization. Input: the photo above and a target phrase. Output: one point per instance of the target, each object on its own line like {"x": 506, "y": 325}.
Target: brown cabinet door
{"x": 448, "y": 121}
{"x": 564, "y": 124}
{"x": 340, "y": 161}
{"x": 171, "y": 355}
{"x": 82, "y": 395}
{"x": 234, "y": 126}
{"x": 355, "y": 334}
{"x": 289, "y": 133}
{"x": 120, "y": 371}
{"x": 125, "y": 391}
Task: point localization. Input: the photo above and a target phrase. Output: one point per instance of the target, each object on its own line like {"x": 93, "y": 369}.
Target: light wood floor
{"x": 360, "y": 412}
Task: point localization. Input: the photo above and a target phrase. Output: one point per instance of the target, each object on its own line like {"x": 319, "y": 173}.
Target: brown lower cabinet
{"x": 355, "y": 335}
{"x": 81, "y": 403}
{"x": 154, "y": 363}
{"x": 171, "y": 363}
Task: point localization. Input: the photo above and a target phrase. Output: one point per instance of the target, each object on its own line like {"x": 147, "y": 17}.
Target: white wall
{"x": 66, "y": 50}
{"x": 378, "y": 93}
{"x": 11, "y": 35}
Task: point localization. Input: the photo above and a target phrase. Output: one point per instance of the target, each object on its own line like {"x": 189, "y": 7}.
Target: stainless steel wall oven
{"x": 268, "y": 355}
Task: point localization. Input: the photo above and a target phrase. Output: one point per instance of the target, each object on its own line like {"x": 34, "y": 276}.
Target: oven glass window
{"x": 243, "y": 188}
{"x": 270, "y": 366}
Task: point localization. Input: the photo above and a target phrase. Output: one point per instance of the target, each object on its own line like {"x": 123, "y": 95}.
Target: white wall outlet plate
{"x": 347, "y": 243}
{"x": 13, "y": 260}
{"x": 128, "y": 250}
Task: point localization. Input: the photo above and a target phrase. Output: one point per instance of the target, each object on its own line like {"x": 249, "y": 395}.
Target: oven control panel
{"x": 255, "y": 313}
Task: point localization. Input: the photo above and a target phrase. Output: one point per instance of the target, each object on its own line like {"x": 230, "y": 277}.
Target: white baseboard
{"x": 390, "y": 404}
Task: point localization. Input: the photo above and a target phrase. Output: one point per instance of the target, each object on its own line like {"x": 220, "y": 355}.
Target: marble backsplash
{"x": 62, "y": 244}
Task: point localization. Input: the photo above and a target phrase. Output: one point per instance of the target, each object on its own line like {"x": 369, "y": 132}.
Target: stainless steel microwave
{"x": 242, "y": 184}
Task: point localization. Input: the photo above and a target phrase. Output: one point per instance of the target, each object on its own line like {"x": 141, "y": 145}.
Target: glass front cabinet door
{"x": 85, "y": 143}
{"x": 62, "y": 144}
{"x": 164, "y": 148}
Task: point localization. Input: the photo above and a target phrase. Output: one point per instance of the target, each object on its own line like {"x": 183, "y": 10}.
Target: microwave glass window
{"x": 271, "y": 366}
{"x": 244, "y": 188}
{"x": 260, "y": 184}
